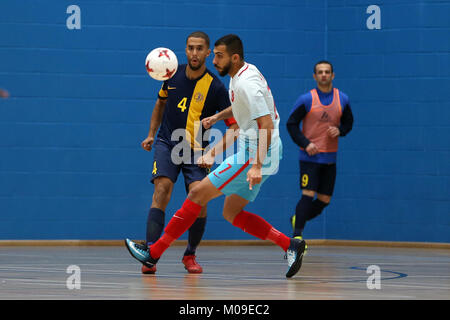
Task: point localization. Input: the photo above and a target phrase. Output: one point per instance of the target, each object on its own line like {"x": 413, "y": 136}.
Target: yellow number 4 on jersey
{"x": 182, "y": 104}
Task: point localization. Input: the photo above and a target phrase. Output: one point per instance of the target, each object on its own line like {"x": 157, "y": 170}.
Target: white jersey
{"x": 251, "y": 98}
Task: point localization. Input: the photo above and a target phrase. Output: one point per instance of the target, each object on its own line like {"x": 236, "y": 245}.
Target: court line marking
{"x": 221, "y": 291}
{"x": 230, "y": 279}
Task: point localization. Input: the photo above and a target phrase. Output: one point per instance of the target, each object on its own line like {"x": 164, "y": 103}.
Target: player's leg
{"x": 193, "y": 174}
{"x": 195, "y": 235}
{"x": 258, "y": 227}
{"x": 156, "y": 216}
{"x": 164, "y": 176}
{"x": 324, "y": 191}
{"x": 231, "y": 179}
{"x": 309, "y": 181}
{"x": 318, "y": 205}
{"x": 197, "y": 229}
{"x": 233, "y": 212}
{"x": 209, "y": 188}
{"x": 198, "y": 197}
{"x": 181, "y": 221}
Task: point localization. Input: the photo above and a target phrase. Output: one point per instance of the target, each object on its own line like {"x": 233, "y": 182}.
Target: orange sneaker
{"x": 191, "y": 265}
{"x": 147, "y": 270}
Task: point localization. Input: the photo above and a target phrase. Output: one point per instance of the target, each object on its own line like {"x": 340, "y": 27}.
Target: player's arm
{"x": 155, "y": 123}
{"x": 346, "y": 121}
{"x": 231, "y": 134}
{"x": 293, "y": 127}
{"x": 223, "y": 115}
{"x": 265, "y": 125}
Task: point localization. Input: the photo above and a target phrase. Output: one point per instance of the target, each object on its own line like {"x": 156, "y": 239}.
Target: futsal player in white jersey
{"x": 241, "y": 175}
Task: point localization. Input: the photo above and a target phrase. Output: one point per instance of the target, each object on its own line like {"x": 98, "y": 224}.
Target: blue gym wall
{"x": 71, "y": 166}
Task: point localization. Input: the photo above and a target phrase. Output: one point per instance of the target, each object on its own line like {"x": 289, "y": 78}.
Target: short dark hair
{"x": 323, "y": 62}
{"x": 233, "y": 43}
{"x": 199, "y": 34}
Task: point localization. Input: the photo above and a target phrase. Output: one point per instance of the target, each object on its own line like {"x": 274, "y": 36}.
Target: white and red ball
{"x": 161, "y": 64}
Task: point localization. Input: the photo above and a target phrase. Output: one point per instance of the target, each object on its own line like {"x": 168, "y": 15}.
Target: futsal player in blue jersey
{"x": 326, "y": 115}
{"x": 192, "y": 94}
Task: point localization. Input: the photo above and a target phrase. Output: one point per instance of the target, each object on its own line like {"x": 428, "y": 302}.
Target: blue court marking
{"x": 398, "y": 275}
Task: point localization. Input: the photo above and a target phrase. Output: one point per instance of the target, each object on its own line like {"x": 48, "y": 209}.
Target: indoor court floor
{"x": 230, "y": 273}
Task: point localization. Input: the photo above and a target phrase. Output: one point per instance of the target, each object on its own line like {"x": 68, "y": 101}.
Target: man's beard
{"x": 225, "y": 70}
{"x": 195, "y": 68}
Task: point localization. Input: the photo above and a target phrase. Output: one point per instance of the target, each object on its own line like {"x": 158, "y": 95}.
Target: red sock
{"x": 180, "y": 222}
{"x": 279, "y": 238}
{"x": 260, "y": 228}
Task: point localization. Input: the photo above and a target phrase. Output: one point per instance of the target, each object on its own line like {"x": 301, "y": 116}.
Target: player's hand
{"x": 4, "y": 94}
{"x": 206, "y": 161}
{"x": 254, "y": 176}
{"x": 147, "y": 143}
{"x": 312, "y": 149}
{"x": 333, "y": 132}
{"x": 209, "y": 122}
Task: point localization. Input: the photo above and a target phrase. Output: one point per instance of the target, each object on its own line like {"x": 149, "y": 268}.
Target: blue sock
{"x": 195, "y": 236}
{"x": 302, "y": 213}
{"x": 155, "y": 225}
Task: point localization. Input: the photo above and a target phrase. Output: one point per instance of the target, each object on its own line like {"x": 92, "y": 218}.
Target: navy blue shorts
{"x": 318, "y": 177}
{"x": 163, "y": 165}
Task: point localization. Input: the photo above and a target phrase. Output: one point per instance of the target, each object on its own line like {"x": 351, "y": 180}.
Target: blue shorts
{"x": 231, "y": 176}
{"x": 163, "y": 165}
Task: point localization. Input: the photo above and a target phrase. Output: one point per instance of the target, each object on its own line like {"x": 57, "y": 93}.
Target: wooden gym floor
{"x": 230, "y": 273}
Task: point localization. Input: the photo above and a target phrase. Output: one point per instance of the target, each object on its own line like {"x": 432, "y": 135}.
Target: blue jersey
{"x": 189, "y": 101}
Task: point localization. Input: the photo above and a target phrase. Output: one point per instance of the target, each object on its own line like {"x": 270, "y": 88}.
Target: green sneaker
{"x": 301, "y": 238}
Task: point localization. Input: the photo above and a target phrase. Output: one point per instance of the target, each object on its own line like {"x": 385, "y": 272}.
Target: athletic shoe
{"x": 301, "y": 238}
{"x": 141, "y": 253}
{"x": 147, "y": 270}
{"x": 295, "y": 254}
{"x": 306, "y": 247}
{"x": 293, "y": 230}
{"x": 191, "y": 265}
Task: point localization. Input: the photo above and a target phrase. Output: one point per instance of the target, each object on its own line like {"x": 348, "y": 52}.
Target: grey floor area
{"x": 230, "y": 273}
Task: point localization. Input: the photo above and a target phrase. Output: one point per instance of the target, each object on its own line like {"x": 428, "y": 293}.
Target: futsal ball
{"x": 161, "y": 64}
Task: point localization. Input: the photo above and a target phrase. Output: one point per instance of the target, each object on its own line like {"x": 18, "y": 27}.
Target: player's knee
{"x": 203, "y": 192}
{"x": 228, "y": 216}
{"x": 162, "y": 194}
{"x": 160, "y": 199}
{"x": 195, "y": 194}
{"x": 203, "y": 212}
{"x": 324, "y": 198}
{"x": 309, "y": 193}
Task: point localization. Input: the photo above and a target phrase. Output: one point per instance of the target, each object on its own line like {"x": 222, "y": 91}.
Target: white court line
{"x": 117, "y": 260}
{"x": 87, "y": 269}
{"x": 415, "y": 285}
{"x": 62, "y": 283}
